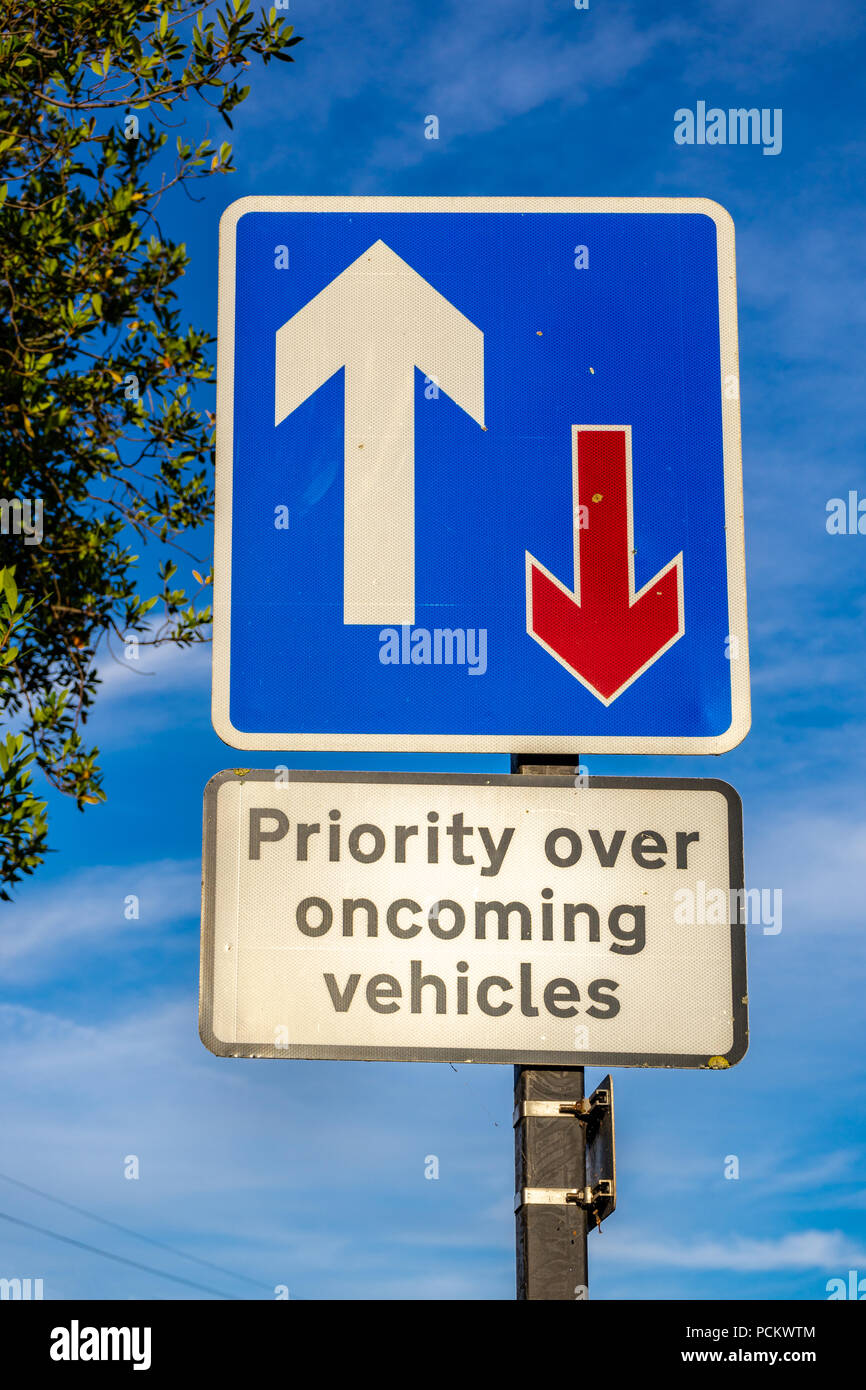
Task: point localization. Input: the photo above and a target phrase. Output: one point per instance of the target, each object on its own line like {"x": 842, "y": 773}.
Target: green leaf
{"x": 10, "y": 589}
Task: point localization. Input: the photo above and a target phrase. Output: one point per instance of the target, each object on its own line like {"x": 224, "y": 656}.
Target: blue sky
{"x": 312, "y": 1174}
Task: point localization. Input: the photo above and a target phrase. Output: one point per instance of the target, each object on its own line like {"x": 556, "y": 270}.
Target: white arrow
{"x": 379, "y": 319}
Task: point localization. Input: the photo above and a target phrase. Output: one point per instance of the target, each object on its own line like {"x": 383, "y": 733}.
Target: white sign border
{"x": 480, "y": 743}
{"x": 497, "y": 1056}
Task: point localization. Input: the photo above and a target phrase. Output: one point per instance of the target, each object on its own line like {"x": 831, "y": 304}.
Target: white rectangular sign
{"x": 524, "y": 919}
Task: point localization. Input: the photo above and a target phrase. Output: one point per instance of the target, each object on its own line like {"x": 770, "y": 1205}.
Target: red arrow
{"x": 604, "y": 633}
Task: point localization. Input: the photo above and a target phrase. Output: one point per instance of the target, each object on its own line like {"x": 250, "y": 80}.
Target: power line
{"x": 127, "y": 1230}
{"x": 120, "y": 1259}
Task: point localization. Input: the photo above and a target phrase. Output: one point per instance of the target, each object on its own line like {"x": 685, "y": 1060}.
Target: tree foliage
{"x": 98, "y": 420}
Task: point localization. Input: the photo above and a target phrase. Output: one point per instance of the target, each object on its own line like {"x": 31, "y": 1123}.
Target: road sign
{"x": 477, "y": 919}
{"x": 478, "y": 476}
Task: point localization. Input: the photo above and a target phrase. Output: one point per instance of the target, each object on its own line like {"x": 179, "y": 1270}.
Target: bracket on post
{"x": 596, "y": 1112}
{"x": 601, "y": 1152}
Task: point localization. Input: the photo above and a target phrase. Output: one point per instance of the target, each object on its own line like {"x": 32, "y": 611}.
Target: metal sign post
{"x": 565, "y": 1177}
{"x": 549, "y": 1156}
{"x": 550, "y": 1179}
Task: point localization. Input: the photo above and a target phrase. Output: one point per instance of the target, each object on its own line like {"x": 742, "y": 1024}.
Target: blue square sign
{"x": 478, "y": 477}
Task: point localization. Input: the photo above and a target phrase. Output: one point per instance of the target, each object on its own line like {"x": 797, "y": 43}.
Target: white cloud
{"x": 49, "y": 921}
{"x": 156, "y": 672}
{"x": 479, "y": 67}
{"x": 521, "y": 74}
{"x": 793, "y": 1175}
{"x": 476, "y": 67}
{"x": 827, "y": 1250}
{"x": 818, "y": 861}
{"x": 138, "y": 698}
